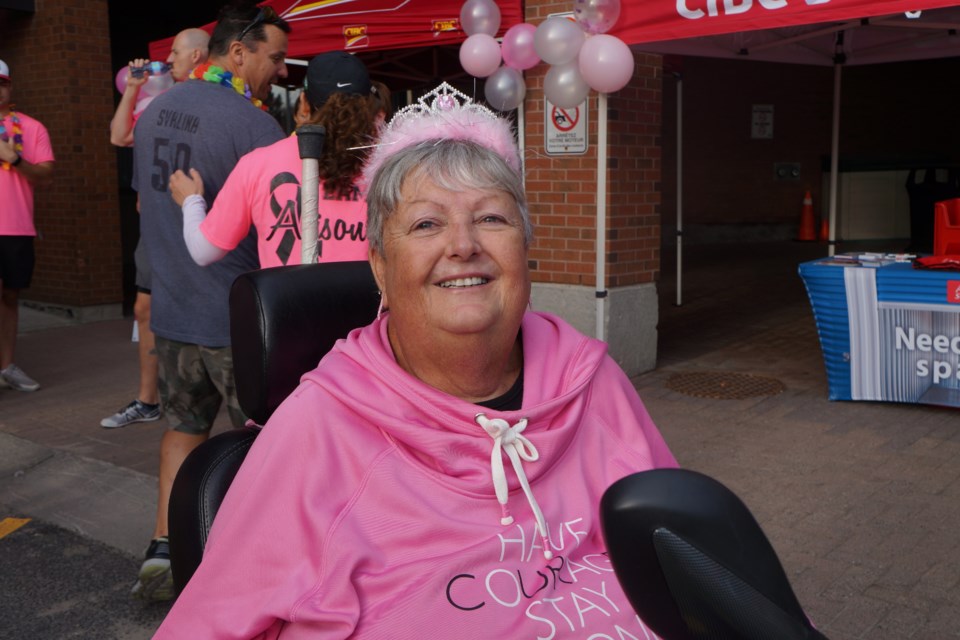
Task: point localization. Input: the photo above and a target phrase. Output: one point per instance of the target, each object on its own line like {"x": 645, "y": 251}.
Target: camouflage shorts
{"x": 194, "y": 381}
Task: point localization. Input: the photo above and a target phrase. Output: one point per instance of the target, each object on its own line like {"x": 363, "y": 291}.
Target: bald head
{"x": 189, "y": 49}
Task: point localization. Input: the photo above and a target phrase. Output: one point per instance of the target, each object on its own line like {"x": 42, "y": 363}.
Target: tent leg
{"x": 679, "y": 190}
{"x": 834, "y": 160}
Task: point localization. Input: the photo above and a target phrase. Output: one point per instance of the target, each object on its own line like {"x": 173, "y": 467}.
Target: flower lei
{"x": 218, "y": 75}
{"x": 17, "y": 136}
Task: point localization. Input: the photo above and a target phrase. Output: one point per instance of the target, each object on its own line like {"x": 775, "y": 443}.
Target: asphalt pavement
{"x": 860, "y": 500}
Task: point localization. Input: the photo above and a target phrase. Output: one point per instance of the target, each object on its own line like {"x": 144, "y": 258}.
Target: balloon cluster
{"x": 154, "y": 86}
{"x": 581, "y": 55}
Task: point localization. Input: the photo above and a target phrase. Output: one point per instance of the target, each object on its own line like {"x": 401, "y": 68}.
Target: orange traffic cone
{"x": 808, "y": 226}
{"x": 824, "y": 229}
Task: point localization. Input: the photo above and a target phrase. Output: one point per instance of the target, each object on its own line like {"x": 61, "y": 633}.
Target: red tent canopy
{"x": 368, "y": 25}
{"x": 643, "y": 21}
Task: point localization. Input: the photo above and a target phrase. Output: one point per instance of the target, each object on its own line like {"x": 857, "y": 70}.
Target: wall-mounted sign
{"x": 566, "y": 129}
{"x": 762, "y": 123}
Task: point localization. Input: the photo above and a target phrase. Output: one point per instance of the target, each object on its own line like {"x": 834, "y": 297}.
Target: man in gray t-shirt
{"x": 206, "y": 123}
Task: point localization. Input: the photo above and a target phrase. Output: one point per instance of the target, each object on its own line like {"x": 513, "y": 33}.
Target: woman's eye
{"x": 424, "y": 224}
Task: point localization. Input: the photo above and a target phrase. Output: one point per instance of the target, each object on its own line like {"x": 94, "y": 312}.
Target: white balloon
{"x": 596, "y": 16}
{"x": 156, "y": 84}
{"x": 504, "y": 89}
{"x": 557, "y": 40}
{"x": 480, "y": 16}
{"x": 564, "y": 86}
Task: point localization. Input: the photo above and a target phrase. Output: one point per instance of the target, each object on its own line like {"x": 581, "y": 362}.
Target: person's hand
{"x": 8, "y": 152}
{"x": 137, "y": 82}
{"x": 182, "y": 185}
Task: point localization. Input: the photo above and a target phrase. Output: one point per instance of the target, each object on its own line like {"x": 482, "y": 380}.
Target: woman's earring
{"x": 380, "y": 307}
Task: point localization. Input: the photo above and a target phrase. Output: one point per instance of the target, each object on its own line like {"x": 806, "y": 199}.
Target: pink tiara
{"x": 444, "y": 114}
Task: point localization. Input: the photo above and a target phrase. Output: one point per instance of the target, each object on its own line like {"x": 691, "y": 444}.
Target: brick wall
{"x": 60, "y": 65}
{"x": 634, "y": 124}
{"x": 563, "y": 189}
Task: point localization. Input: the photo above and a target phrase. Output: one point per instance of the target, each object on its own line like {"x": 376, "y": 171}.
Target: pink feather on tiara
{"x": 444, "y": 114}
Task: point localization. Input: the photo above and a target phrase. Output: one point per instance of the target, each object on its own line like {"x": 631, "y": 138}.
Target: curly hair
{"x": 350, "y": 121}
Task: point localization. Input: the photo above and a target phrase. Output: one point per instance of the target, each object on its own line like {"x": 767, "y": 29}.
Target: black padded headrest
{"x": 283, "y": 320}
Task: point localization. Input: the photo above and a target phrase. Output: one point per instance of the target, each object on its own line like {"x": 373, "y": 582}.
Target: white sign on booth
{"x": 565, "y": 129}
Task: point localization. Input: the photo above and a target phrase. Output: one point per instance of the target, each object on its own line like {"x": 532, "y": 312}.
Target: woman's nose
{"x": 464, "y": 241}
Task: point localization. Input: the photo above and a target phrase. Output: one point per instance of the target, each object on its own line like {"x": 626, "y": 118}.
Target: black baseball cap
{"x": 335, "y": 72}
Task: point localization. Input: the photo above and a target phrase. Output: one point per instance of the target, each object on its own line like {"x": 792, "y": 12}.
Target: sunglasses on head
{"x": 266, "y": 15}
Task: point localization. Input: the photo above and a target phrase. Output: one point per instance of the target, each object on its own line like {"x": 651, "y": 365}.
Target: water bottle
{"x": 154, "y": 68}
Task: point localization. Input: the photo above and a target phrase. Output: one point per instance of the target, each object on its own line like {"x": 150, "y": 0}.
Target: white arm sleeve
{"x": 201, "y": 250}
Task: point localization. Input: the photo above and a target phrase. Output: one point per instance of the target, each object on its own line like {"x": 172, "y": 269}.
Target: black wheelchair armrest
{"x": 198, "y": 490}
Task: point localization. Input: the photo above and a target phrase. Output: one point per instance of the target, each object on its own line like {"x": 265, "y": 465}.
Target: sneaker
{"x": 14, "y": 377}
{"x": 155, "y": 582}
{"x": 136, "y": 411}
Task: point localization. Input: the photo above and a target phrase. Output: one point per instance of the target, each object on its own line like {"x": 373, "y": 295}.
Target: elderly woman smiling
{"x": 439, "y": 474}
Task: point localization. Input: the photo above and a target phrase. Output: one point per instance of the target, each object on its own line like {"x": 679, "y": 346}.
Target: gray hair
{"x": 453, "y": 164}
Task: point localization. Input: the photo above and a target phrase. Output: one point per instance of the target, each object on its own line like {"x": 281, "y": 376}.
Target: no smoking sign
{"x": 566, "y": 129}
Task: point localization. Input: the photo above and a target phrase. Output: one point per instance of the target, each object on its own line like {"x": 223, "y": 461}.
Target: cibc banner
{"x": 889, "y": 332}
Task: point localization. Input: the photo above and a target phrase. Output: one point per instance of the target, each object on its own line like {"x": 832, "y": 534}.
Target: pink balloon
{"x": 156, "y": 84}
{"x": 606, "y": 63}
{"x": 120, "y": 81}
{"x": 480, "y": 55}
{"x": 142, "y": 104}
{"x": 517, "y": 47}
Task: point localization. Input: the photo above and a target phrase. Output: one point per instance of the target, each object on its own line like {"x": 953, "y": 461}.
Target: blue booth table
{"x": 888, "y": 333}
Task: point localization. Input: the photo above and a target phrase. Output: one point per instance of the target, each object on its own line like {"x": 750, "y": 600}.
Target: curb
{"x": 95, "y": 499}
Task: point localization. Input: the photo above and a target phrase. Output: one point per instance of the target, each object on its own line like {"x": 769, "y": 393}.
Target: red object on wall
{"x": 368, "y": 25}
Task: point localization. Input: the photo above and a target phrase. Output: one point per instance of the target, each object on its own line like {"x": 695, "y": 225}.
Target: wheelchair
{"x": 688, "y": 553}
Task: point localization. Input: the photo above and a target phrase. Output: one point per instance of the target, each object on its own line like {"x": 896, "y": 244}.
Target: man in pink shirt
{"x": 26, "y": 161}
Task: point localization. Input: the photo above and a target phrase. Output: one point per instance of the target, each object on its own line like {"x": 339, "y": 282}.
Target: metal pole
{"x": 601, "y": 285}
{"x": 679, "y": 190}
{"x": 839, "y": 58}
{"x": 834, "y": 160}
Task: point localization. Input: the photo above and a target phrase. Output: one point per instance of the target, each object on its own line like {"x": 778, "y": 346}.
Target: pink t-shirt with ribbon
{"x": 264, "y": 190}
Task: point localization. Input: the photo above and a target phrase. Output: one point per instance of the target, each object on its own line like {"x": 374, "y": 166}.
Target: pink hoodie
{"x": 367, "y": 507}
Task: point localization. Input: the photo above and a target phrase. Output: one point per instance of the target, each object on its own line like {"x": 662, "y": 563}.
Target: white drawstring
{"x": 517, "y": 447}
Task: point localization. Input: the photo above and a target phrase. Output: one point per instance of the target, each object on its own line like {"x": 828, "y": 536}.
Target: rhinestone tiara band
{"x": 444, "y": 99}
{"x": 444, "y": 114}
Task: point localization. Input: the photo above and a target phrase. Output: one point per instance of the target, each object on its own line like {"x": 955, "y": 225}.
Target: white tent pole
{"x": 601, "y": 286}
{"x": 679, "y": 190}
{"x": 521, "y": 136}
{"x": 834, "y": 160}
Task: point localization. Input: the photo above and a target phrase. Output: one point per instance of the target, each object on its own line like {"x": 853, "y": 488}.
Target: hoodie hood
{"x": 439, "y": 432}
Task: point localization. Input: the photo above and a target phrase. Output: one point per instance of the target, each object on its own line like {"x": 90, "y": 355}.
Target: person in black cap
{"x": 264, "y": 188}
